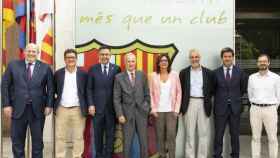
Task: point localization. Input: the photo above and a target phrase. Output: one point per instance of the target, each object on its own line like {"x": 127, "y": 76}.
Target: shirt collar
{"x": 27, "y": 62}
{"x": 225, "y": 68}
{"x": 266, "y": 75}
{"x": 129, "y": 72}
{"x": 199, "y": 69}
{"x": 107, "y": 65}
{"x": 75, "y": 70}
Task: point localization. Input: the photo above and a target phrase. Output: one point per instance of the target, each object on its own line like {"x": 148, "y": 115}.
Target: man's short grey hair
{"x": 194, "y": 50}
{"x": 32, "y": 45}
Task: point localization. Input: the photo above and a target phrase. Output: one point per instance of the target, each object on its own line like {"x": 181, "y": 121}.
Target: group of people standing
{"x": 30, "y": 91}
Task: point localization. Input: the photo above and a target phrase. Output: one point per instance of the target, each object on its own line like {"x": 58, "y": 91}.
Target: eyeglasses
{"x": 70, "y": 57}
{"x": 164, "y": 60}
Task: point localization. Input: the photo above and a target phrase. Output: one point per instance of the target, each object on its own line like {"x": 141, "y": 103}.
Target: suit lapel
{"x": 23, "y": 66}
{"x": 137, "y": 79}
{"x": 233, "y": 73}
{"x": 111, "y": 70}
{"x": 35, "y": 71}
{"x": 222, "y": 73}
{"x": 61, "y": 78}
{"x": 188, "y": 79}
{"x": 204, "y": 78}
{"x": 78, "y": 78}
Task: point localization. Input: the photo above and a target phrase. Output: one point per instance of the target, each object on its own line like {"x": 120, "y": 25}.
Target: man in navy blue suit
{"x": 100, "y": 100}
{"x": 27, "y": 97}
{"x": 230, "y": 83}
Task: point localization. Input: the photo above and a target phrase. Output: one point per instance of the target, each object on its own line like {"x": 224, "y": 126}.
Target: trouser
{"x": 137, "y": 124}
{"x": 69, "y": 120}
{"x": 18, "y": 133}
{"x": 196, "y": 117}
{"x": 104, "y": 123}
{"x": 166, "y": 133}
{"x": 220, "y": 122}
{"x": 268, "y": 117}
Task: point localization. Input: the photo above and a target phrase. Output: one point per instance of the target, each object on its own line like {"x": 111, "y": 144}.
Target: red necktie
{"x": 29, "y": 75}
{"x": 227, "y": 74}
{"x": 132, "y": 79}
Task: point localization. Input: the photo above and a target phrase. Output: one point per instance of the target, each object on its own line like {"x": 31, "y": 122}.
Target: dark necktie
{"x": 105, "y": 70}
{"x": 29, "y": 74}
{"x": 132, "y": 78}
{"x": 228, "y": 74}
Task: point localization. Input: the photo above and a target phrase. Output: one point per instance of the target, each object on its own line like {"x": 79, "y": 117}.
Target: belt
{"x": 263, "y": 105}
{"x": 196, "y": 97}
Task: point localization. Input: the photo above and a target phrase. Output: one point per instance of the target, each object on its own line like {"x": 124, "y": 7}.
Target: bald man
{"x": 27, "y": 97}
{"x": 196, "y": 107}
{"x": 132, "y": 105}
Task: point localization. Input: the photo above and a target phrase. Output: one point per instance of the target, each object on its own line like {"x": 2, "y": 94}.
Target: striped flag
{"x": 44, "y": 10}
{"x": 8, "y": 20}
{"x": 32, "y": 26}
{"x": 21, "y": 20}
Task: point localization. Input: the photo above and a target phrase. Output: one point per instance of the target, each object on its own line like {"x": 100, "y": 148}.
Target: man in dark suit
{"x": 27, "y": 97}
{"x": 230, "y": 83}
{"x": 196, "y": 107}
{"x": 100, "y": 99}
{"x": 70, "y": 105}
{"x": 132, "y": 105}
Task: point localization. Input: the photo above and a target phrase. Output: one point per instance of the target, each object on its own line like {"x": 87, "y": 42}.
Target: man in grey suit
{"x": 132, "y": 105}
{"x": 27, "y": 97}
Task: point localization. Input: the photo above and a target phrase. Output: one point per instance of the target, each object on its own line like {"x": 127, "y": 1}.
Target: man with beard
{"x": 264, "y": 96}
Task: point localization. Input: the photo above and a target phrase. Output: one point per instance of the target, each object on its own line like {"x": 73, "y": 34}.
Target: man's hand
{"x": 122, "y": 119}
{"x": 91, "y": 110}
{"x": 48, "y": 111}
{"x": 155, "y": 114}
{"x": 176, "y": 114}
{"x": 8, "y": 110}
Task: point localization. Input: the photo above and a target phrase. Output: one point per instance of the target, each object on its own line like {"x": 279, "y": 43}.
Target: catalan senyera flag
{"x": 8, "y": 20}
{"x": 32, "y": 26}
{"x": 21, "y": 20}
{"x": 146, "y": 56}
{"x": 44, "y": 10}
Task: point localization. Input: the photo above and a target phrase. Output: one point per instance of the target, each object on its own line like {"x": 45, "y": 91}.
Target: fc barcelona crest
{"x": 146, "y": 54}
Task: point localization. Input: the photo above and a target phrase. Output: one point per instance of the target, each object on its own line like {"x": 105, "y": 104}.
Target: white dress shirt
{"x": 264, "y": 89}
{"x": 230, "y": 70}
{"x": 165, "y": 97}
{"x": 31, "y": 67}
{"x": 107, "y": 68}
{"x": 196, "y": 83}
{"x": 70, "y": 90}
{"x": 129, "y": 74}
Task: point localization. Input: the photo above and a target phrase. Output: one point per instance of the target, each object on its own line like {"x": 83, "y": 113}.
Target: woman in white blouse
{"x": 165, "y": 91}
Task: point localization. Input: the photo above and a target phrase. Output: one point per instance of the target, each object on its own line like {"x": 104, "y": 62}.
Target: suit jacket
{"x": 207, "y": 88}
{"x": 128, "y": 98}
{"x": 17, "y": 90}
{"x": 175, "y": 91}
{"x": 233, "y": 90}
{"x": 100, "y": 88}
{"x": 81, "y": 78}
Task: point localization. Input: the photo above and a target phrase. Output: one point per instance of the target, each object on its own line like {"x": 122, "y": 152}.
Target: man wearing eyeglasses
{"x": 264, "y": 96}
{"x": 70, "y": 105}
